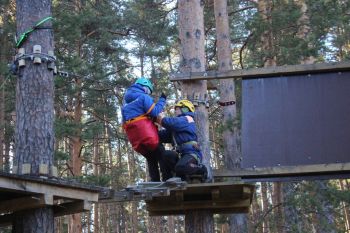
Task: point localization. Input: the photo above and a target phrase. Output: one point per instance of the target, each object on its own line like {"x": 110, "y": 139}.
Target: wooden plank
{"x": 263, "y": 72}
{"x": 246, "y": 192}
{"x": 72, "y": 183}
{"x": 60, "y": 210}
{"x": 301, "y": 170}
{"x": 221, "y": 197}
{"x": 47, "y": 189}
{"x": 179, "y": 196}
{"x": 71, "y": 208}
{"x": 214, "y": 207}
{"x": 6, "y": 220}
{"x": 215, "y": 194}
{"x": 199, "y": 205}
{"x": 23, "y": 203}
{"x": 237, "y": 210}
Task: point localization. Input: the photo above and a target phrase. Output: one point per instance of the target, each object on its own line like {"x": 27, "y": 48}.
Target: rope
{"x": 25, "y": 35}
{"x": 4, "y": 82}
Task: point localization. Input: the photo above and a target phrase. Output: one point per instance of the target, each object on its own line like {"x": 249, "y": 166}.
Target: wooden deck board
{"x": 222, "y": 197}
{"x": 19, "y": 193}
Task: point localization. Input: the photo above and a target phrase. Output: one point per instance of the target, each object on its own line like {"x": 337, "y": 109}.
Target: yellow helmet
{"x": 185, "y": 103}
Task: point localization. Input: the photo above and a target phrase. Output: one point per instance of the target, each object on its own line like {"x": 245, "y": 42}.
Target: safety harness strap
{"x": 143, "y": 116}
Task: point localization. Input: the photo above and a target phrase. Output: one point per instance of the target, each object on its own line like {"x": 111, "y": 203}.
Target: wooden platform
{"x": 266, "y": 72}
{"x": 19, "y": 193}
{"x": 223, "y": 197}
{"x": 288, "y": 173}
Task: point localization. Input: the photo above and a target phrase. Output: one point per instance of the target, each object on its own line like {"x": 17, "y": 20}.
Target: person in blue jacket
{"x": 181, "y": 131}
{"x": 137, "y": 112}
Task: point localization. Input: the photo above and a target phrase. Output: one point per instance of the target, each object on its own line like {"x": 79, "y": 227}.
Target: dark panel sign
{"x": 296, "y": 120}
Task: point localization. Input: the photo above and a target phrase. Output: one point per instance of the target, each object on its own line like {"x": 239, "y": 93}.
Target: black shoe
{"x": 203, "y": 171}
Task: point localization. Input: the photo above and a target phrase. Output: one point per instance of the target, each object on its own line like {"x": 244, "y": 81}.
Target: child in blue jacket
{"x": 137, "y": 112}
{"x": 181, "y": 131}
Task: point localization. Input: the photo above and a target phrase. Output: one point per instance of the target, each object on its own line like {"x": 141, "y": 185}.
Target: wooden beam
{"x": 71, "y": 208}
{"x": 302, "y": 170}
{"x": 59, "y": 210}
{"x": 6, "y": 220}
{"x": 218, "y": 207}
{"x": 23, "y": 203}
{"x": 236, "y": 210}
{"x": 49, "y": 189}
{"x": 263, "y": 72}
{"x": 222, "y": 197}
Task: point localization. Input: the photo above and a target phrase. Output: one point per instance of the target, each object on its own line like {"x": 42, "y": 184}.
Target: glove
{"x": 160, "y": 118}
{"x": 163, "y": 95}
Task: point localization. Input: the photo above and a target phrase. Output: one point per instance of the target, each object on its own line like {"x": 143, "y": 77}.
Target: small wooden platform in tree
{"x": 222, "y": 197}
{"x": 18, "y": 193}
{"x": 266, "y": 72}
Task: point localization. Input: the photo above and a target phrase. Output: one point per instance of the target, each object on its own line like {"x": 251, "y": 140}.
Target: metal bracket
{"x": 200, "y": 99}
{"x": 144, "y": 191}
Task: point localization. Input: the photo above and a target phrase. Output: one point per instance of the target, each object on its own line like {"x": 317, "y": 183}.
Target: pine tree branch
{"x": 240, "y": 10}
{"x": 241, "y": 50}
{"x": 121, "y": 33}
{"x": 268, "y": 211}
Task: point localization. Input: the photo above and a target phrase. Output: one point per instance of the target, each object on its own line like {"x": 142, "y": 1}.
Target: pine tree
{"x": 227, "y": 94}
{"x": 34, "y": 112}
{"x": 191, "y": 30}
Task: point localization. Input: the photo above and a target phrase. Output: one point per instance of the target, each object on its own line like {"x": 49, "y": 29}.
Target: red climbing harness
{"x": 142, "y": 133}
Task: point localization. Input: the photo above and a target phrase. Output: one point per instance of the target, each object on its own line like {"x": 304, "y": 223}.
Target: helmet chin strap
{"x": 184, "y": 110}
{"x": 147, "y": 90}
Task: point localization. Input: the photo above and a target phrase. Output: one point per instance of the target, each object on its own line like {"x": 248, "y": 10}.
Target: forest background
{"x": 104, "y": 45}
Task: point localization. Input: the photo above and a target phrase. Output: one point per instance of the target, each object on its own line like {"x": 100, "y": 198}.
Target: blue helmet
{"x": 145, "y": 82}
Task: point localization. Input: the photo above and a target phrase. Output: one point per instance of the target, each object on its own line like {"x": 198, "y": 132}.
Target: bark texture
{"x": 304, "y": 29}
{"x": 191, "y": 31}
{"x": 76, "y": 163}
{"x": 34, "y": 92}
{"x": 34, "y": 111}
{"x": 199, "y": 221}
{"x": 232, "y": 155}
{"x": 34, "y": 221}
{"x": 265, "y": 10}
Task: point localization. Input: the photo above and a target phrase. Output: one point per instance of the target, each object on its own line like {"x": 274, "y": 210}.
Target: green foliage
{"x": 319, "y": 202}
{"x": 102, "y": 43}
{"x": 101, "y": 180}
{"x": 64, "y": 127}
{"x": 60, "y": 155}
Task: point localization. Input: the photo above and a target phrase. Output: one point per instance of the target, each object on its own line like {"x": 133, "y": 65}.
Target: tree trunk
{"x": 304, "y": 29}
{"x": 265, "y": 10}
{"x": 7, "y": 155}
{"x": 34, "y": 111}
{"x": 2, "y": 121}
{"x": 142, "y": 60}
{"x": 76, "y": 143}
{"x": 345, "y": 207}
{"x": 238, "y": 222}
{"x": 199, "y": 221}
{"x": 277, "y": 201}
{"x": 3, "y": 48}
{"x": 171, "y": 224}
{"x": 227, "y": 87}
{"x": 75, "y": 225}
{"x": 34, "y": 221}
{"x": 265, "y": 207}
{"x": 96, "y": 173}
{"x": 256, "y": 211}
{"x": 133, "y": 215}
{"x": 191, "y": 31}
